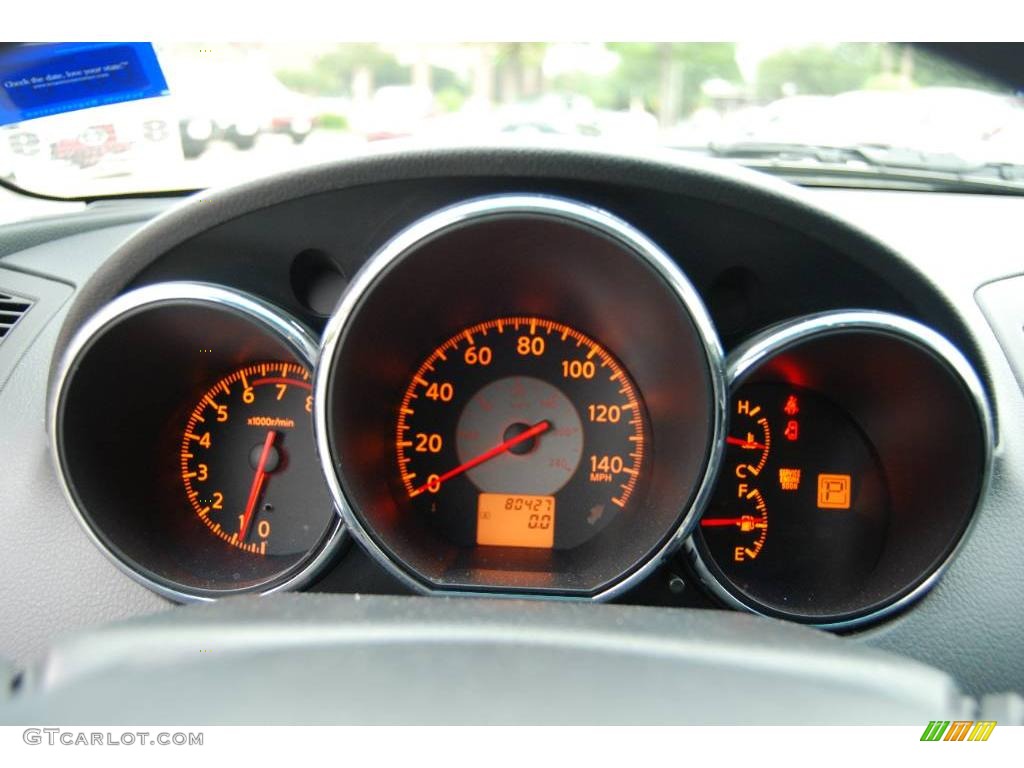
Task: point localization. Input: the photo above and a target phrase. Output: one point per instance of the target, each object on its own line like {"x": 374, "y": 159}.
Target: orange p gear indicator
{"x": 834, "y": 491}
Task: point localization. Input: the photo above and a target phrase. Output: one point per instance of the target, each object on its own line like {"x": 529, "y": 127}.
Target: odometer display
{"x": 513, "y": 410}
{"x": 510, "y": 520}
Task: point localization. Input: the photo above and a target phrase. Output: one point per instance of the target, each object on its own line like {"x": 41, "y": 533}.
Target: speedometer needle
{"x": 497, "y": 450}
{"x": 257, "y": 484}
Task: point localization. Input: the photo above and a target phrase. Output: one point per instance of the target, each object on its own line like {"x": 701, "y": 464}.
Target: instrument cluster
{"x": 521, "y": 395}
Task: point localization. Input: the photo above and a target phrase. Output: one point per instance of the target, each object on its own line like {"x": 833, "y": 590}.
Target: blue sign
{"x": 37, "y": 80}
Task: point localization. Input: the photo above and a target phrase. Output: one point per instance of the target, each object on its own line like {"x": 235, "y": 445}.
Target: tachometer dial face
{"x": 520, "y": 432}
{"x": 248, "y": 462}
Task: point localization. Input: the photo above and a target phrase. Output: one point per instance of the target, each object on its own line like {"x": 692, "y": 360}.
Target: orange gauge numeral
{"x": 601, "y": 413}
{"x": 578, "y": 369}
{"x": 442, "y": 391}
{"x": 478, "y": 356}
{"x": 530, "y": 345}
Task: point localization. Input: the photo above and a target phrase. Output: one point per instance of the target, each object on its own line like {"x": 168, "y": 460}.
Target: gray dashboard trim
{"x": 415, "y": 660}
{"x": 46, "y": 296}
{"x": 671, "y": 171}
{"x": 20, "y": 236}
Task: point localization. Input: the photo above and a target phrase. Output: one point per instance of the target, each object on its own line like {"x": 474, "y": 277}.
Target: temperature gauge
{"x": 800, "y": 513}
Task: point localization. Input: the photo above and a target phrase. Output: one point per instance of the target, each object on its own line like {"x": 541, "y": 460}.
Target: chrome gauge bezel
{"x": 576, "y": 213}
{"x": 764, "y": 346}
{"x": 272, "y": 321}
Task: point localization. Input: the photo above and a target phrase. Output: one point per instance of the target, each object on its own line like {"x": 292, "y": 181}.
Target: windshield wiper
{"x": 868, "y": 164}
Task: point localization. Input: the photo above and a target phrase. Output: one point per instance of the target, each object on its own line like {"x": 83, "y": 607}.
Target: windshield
{"x": 93, "y": 120}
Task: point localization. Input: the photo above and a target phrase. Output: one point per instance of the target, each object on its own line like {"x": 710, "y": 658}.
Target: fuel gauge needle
{"x": 714, "y": 522}
{"x": 257, "y": 485}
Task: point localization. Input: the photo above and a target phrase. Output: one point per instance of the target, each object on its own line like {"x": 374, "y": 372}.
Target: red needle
{"x": 257, "y": 484}
{"x": 743, "y": 443}
{"x": 497, "y": 450}
{"x": 711, "y": 522}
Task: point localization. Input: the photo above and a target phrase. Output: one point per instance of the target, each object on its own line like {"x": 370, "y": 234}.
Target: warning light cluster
{"x": 792, "y": 430}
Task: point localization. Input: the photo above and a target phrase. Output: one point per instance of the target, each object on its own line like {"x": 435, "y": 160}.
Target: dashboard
{"x": 526, "y": 373}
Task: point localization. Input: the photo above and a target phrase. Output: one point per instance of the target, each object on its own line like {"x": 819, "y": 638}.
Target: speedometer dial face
{"x": 519, "y": 436}
{"x": 520, "y": 432}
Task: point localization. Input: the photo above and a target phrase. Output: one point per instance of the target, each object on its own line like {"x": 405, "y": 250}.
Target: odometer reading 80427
{"x": 508, "y": 420}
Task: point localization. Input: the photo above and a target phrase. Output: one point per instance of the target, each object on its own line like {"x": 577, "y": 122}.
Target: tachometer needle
{"x": 497, "y": 450}
{"x": 257, "y": 485}
{"x": 750, "y": 444}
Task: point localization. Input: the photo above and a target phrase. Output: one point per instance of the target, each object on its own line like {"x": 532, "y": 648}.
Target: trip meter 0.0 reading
{"x": 509, "y": 419}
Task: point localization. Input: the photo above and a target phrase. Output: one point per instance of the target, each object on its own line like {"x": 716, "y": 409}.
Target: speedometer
{"x": 529, "y": 424}
{"x": 520, "y": 394}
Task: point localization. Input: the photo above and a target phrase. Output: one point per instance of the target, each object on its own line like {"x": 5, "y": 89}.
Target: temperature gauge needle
{"x": 257, "y": 485}
{"x": 497, "y": 450}
{"x": 749, "y": 444}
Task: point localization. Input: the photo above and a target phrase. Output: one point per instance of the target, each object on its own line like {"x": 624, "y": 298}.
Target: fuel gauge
{"x": 857, "y": 448}
{"x": 745, "y": 534}
{"x": 800, "y": 514}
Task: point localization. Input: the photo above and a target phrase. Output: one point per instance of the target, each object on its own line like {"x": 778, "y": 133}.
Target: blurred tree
{"x": 929, "y": 69}
{"x": 822, "y": 70}
{"x": 337, "y": 73}
{"x": 667, "y": 77}
{"x": 605, "y": 91}
{"x": 450, "y": 90}
{"x": 519, "y": 69}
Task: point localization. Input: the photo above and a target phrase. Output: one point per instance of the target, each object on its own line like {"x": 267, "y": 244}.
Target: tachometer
{"x": 248, "y": 463}
{"x": 520, "y": 431}
{"x": 198, "y": 477}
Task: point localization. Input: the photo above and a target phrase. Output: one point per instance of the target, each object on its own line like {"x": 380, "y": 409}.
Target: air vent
{"x": 12, "y": 309}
